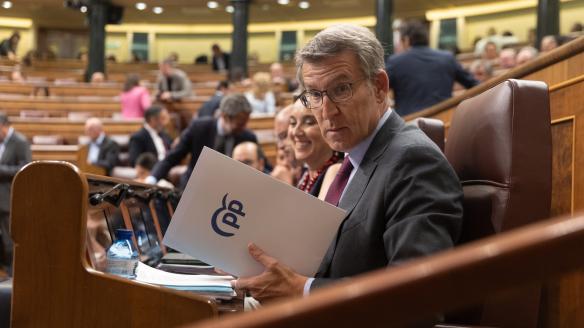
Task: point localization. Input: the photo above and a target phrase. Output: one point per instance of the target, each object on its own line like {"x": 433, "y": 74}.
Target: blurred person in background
{"x": 482, "y": 70}
{"x": 210, "y": 107}
{"x": 8, "y": 46}
{"x": 103, "y": 151}
{"x": 261, "y": 97}
{"x": 172, "y": 83}
{"x": 321, "y": 162}
{"x": 287, "y": 168}
{"x": 548, "y": 43}
{"x": 507, "y": 58}
{"x": 135, "y": 99}
{"x": 525, "y": 55}
{"x": 250, "y": 154}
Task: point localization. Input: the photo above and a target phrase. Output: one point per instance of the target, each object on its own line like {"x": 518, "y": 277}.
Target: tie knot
{"x": 346, "y": 167}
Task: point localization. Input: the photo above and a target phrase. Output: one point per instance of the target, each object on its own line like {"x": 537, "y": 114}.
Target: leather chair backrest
{"x": 499, "y": 144}
{"x": 433, "y": 128}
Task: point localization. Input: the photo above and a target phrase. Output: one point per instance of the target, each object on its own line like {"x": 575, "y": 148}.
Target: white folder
{"x": 226, "y": 205}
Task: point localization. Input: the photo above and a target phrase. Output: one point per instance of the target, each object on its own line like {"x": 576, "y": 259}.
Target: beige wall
{"x": 117, "y": 44}
{"x": 188, "y": 46}
{"x": 570, "y": 13}
{"x": 518, "y": 22}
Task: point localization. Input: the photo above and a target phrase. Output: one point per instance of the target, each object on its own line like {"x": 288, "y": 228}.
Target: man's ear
{"x": 381, "y": 86}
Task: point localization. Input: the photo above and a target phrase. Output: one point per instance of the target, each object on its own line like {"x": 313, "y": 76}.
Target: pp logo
{"x": 229, "y": 219}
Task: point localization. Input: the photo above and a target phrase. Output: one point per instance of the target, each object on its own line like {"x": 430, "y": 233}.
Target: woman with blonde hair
{"x": 261, "y": 97}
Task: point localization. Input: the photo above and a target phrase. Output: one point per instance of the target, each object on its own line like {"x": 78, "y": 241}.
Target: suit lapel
{"x": 8, "y": 150}
{"x": 358, "y": 184}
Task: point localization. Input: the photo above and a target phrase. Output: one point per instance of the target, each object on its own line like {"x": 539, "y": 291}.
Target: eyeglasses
{"x": 312, "y": 99}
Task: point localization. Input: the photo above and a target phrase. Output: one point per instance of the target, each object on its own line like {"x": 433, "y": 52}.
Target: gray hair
{"x": 339, "y": 38}
{"x": 232, "y": 105}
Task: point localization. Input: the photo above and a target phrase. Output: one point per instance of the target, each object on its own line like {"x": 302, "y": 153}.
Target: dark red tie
{"x": 339, "y": 183}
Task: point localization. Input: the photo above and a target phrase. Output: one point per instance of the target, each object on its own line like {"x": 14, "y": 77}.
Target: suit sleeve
{"x": 422, "y": 202}
{"x": 161, "y": 169}
{"x": 23, "y": 156}
{"x": 186, "y": 88}
{"x": 463, "y": 77}
{"x": 111, "y": 157}
{"x": 134, "y": 149}
{"x": 424, "y": 215}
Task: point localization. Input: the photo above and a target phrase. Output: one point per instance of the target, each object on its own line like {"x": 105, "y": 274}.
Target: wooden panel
{"x": 54, "y": 285}
{"x": 562, "y": 166}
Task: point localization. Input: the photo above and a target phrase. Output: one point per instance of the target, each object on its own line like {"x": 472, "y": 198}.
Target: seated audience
{"x": 220, "y": 59}
{"x": 172, "y": 83}
{"x": 143, "y": 167}
{"x": 507, "y": 58}
{"x": 261, "y": 97}
{"x": 151, "y": 138}
{"x": 135, "y": 98}
{"x": 144, "y": 164}
{"x": 250, "y": 154}
{"x": 548, "y": 43}
{"x": 102, "y": 151}
{"x": 526, "y": 54}
{"x": 173, "y": 56}
{"x": 279, "y": 78}
{"x": 322, "y": 163}
{"x": 287, "y": 168}
{"x": 210, "y": 107}
{"x": 14, "y": 154}
{"x": 490, "y": 52}
{"x": 16, "y": 74}
{"x": 97, "y": 78}
{"x": 8, "y": 46}
{"x": 402, "y": 197}
{"x": 481, "y": 70}
{"x": 201, "y": 60}
{"x": 420, "y": 76}
{"x": 221, "y": 134}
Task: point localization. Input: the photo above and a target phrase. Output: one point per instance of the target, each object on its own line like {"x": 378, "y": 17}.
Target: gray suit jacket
{"x": 16, "y": 154}
{"x": 181, "y": 85}
{"x": 404, "y": 201}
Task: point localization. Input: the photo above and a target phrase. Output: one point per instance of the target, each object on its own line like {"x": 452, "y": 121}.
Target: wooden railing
{"x": 425, "y": 287}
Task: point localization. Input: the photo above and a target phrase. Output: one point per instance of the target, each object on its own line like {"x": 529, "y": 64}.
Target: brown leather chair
{"x": 433, "y": 128}
{"x": 499, "y": 144}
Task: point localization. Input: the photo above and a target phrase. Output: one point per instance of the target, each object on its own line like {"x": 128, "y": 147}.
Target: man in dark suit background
{"x": 220, "y": 59}
{"x": 102, "y": 151}
{"x": 420, "y": 76}
{"x": 210, "y": 107}
{"x": 151, "y": 138}
{"x": 402, "y": 198}
{"x": 14, "y": 154}
{"x": 221, "y": 134}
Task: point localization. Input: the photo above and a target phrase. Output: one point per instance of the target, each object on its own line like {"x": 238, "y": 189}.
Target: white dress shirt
{"x": 3, "y": 144}
{"x": 158, "y": 142}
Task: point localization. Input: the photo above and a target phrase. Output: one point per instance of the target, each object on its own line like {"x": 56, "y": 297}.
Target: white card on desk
{"x": 227, "y": 204}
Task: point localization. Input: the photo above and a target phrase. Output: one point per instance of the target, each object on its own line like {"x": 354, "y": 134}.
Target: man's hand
{"x": 277, "y": 280}
{"x": 165, "y": 95}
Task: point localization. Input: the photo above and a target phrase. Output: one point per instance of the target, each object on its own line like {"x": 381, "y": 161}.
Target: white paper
{"x": 287, "y": 223}
{"x": 150, "y": 275}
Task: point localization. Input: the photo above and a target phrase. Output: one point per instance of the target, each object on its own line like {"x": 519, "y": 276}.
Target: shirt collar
{"x": 220, "y": 130}
{"x": 150, "y": 129}
{"x": 100, "y": 139}
{"x": 357, "y": 153}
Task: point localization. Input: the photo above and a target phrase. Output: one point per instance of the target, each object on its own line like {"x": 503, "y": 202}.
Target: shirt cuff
{"x": 150, "y": 179}
{"x": 307, "y": 285}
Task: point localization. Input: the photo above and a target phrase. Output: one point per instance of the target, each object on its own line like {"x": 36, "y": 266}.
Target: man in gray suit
{"x": 403, "y": 200}
{"x": 14, "y": 154}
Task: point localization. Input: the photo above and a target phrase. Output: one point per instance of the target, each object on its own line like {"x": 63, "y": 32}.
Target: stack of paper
{"x": 215, "y": 286}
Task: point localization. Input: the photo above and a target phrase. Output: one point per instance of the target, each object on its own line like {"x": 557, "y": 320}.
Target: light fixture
{"x": 283, "y": 2}
{"x": 157, "y": 10}
{"x": 229, "y": 9}
{"x": 83, "y": 9}
{"x": 140, "y": 5}
{"x": 6, "y": 4}
{"x": 304, "y": 4}
{"x": 213, "y": 4}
